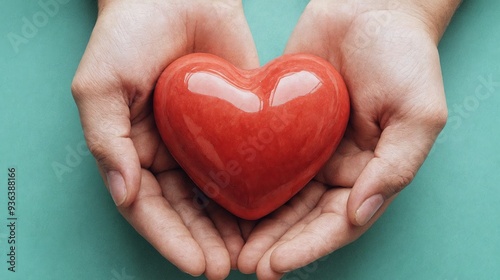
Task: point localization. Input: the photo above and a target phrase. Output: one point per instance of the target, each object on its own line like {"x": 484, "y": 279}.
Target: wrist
{"x": 435, "y": 14}
{"x": 430, "y": 15}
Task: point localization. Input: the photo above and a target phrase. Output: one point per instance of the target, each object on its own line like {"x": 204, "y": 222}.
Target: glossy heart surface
{"x": 251, "y": 139}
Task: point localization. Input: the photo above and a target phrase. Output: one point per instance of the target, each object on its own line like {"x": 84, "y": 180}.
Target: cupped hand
{"x": 131, "y": 44}
{"x": 388, "y": 57}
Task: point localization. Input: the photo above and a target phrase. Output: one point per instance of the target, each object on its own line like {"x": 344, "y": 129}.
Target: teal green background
{"x": 445, "y": 225}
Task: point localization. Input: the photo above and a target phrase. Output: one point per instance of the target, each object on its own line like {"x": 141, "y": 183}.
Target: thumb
{"x": 106, "y": 125}
{"x": 225, "y": 32}
{"x": 399, "y": 153}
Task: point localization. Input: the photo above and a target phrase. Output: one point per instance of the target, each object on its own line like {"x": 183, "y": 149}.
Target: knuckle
{"x": 440, "y": 118}
{"x": 91, "y": 82}
{"x": 401, "y": 180}
{"x": 399, "y": 175}
{"x": 82, "y": 86}
{"x": 77, "y": 88}
{"x": 95, "y": 146}
{"x": 100, "y": 154}
{"x": 435, "y": 117}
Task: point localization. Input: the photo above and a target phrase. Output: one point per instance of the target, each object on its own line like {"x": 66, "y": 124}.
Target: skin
{"x": 129, "y": 47}
{"x": 387, "y": 54}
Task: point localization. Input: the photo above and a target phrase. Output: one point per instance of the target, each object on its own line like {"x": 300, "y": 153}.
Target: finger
{"x": 177, "y": 189}
{"x": 153, "y": 154}
{"x": 106, "y": 126}
{"x": 308, "y": 35}
{"x": 317, "y": 235}
{"x": 223, "y": 30}
{"x": 344, "y": 166}
{"x": 229, "y": 230}
{"x": 400, "y": 152}
{"x": 246, "y": 228}
{"x": 272, "y": 228}
{"x": 314, "y": 33}
{"x": 155, "y": 219}
{"x": 265, "y": 269}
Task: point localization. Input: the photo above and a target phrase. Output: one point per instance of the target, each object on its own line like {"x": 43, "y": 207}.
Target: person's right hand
{"x": 131, "y": 44}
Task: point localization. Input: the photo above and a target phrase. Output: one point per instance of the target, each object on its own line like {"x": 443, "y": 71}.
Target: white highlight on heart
{"x": 209, "y": 84}
{"x": 293, "y": 86}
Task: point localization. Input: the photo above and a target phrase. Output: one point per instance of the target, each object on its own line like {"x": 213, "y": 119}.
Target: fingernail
{"x": 368, "y": 208}
{"x": 116, "y": 186}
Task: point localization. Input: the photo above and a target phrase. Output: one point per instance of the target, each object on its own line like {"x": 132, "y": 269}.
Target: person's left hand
{"x": 397, "y": 110}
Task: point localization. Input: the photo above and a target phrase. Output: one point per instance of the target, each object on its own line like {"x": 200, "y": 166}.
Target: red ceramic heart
{"x": 251, "y": 139}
